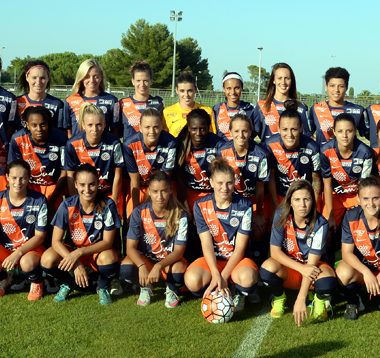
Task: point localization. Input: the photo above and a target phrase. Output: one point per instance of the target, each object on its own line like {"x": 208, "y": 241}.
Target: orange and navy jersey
{"x": 175, "y": 118}
{"x": 138, "y": 159}
{"x": 346, "y": 173}
{"x": 252, "y": 168}
{"x": 149, "y": 229}
{"x": 355, "y": 231}
{"x": 297, "y": 242}
{"x": 106, "y": 101}
{"x": 373, "y": 115}
{"x": 197, "y": 163}
{"x": 18, "y": 223}
{"x": 223, "y": 224}
{"x": 84, "y": 229}
{"x": 322, "y": 117}
{"x": 45, "y": 160}
{"x": 105, "y": 157}
{"x": 291, "y": 165}
{"x": 53, "y": 104}
{"x": 264, "y": 122}
{"x": 131, "y": 110}
{"x": 223, "y": 114}
{"x": 8, "y": 106}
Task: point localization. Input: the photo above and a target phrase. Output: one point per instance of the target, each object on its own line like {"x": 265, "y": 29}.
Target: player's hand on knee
{"x": 310, "y": 271}
{"x": 372, "y": 284}
{"x": 12, "y": 260}
{"x": 154, "y": 274}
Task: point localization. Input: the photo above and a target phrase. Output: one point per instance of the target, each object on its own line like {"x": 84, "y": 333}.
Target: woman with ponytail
{"x": 156, "y": 242}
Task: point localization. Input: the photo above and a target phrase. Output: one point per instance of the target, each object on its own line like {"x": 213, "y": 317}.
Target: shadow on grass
{"x": 308, "y": 350}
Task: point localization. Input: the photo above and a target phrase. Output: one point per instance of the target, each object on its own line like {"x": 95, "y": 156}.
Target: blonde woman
{"x": 89, "y": 86}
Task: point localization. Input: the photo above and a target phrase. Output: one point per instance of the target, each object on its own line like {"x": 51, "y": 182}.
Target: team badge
{"x": 2, "y": 108}
{"x": 252, "y": 168}
{"x": 357, "y": 169}
{"x": 210, "y": 158}
{"x": 53, "y": 156}
{"x": 304, "y": 160}
{"x": 105, "y": 156}
{"x": 160, "y": 159}
{"x": 104, "y": 109}
{"x": 30, "y": 219}
{"x": 234, "y": 222}
{"x": 98, "y": 225}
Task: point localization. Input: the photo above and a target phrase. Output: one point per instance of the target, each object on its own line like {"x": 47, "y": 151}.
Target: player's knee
{"x": 246, "y": 277}
{"x": 49, "y": 259}
{"x": 107, "y": 257}
{"x": 344, "y": 273}
{"x": 178, "y": 267}
{"x": 193, "y": 281}
{"x": 269, "y": 278}
{"x": 28, "y": 262}
{"x": 271, "y": 265}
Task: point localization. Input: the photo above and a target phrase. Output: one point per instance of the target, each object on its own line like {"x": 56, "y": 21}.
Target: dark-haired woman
{"x": 195, "y": 153}
{"x": 84, "y": 229}
{"x": 281, "y": 87}
{"x": 150, "y": 149}
{"x": 175, "y": 115}
{"x": 223, "y": 222}
{"x": 224, "y": 111}
{"x": 344, "y": 161}
{"x": 89, "y": 86}
{"x": 294, "y": 155}
{"x": 156, "y": 242}
{"x": 41, "y": 146}
{"x": 35, "y": 82}
{"x": 297, "y": 242}
{"x": 23, "y": 223}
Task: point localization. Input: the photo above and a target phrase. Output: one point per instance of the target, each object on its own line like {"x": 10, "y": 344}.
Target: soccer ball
{"x": 217, "y": 309}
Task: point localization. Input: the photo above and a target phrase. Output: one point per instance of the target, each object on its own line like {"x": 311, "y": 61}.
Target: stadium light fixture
{"x": 175, "y": 16}
{"x": 259, "y": 81}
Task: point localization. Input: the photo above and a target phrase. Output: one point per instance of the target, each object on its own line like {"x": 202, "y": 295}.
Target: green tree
{"x": 115, "y": 65}
{"x": 351, "y": 92}
{"x": 254, "y": 76}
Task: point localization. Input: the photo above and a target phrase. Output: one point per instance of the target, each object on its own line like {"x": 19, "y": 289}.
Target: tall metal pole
{"x": 1, "y": 57}
{"x": 259, "y": 82}
{"x": 175, "y": 16}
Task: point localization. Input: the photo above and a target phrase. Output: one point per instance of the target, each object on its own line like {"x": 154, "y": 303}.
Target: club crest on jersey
{"x": 160, "y": 159}
{"x": 210, "y": 158}
{"x": 304, "y": 160}
{"x": 252, "y": 168}
{"x": 356, "y": 169}
{"x": 30, "y": 219}
{"x": 106, "y": 156}
{"x": 2, "y": 108}
{"x": 234, "y": 222}
{"x": 104, "y": 109}
{"x": 98, "y": 225}
{"x": 53, "y": 156}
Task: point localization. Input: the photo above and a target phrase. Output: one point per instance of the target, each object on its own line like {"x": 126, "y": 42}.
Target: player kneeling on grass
{"x": 89, "y": 220}
{"x": 361, "y": 247}
{"x": 297, "y": 242}
{"x": 223, "y": 222}
{"x": 156, "y": 242}
{"x": 23, "y": 222}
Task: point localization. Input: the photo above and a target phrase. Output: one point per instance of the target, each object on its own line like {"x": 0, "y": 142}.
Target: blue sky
{"x": 311, "y": 36}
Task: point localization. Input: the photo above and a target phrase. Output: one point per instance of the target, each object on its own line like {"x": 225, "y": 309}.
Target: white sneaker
{"x": 239, "y": 302}
{"x": 172, "y": 299}
{"x": 116, "y": 289}
{"x": 144, "y": 298}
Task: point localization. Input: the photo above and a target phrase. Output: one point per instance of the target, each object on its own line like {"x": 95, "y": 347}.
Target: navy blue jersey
{"x": 131, "y": 110}
{"x": 106, "y": 101}
{"x": 313, "y": 242}
{"x": 197, "y": 163}
{"x": 373, "y": 115}
{"x": 223, "y": 114}
{"x": 140, "y": 230}
{"x": 18, "y": 223}
{"x": 346, "y": 173}
{"x": 138, "y": 159}
{"x": 322, "y": 119}
{"x": 290, "y": 165}
{"x": 8, "y": 106}
{"x": 53, "y": 104}
{"x": 84, "y": 229}
{"x": 223, "y": 224}
{"x": 252, "y": 168}
{"x": 263, "y": 124}
{"x": 45, "y": 160}
{"x": 361, "y": 250}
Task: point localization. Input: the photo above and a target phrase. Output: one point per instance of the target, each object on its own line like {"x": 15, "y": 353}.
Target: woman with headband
{"x": 35, "y": 81}
{"x": 281, "y": 87}
{"x": 224, "y": 111}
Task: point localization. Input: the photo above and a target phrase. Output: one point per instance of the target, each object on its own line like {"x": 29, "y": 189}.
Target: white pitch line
{"x": 254, "y": 337}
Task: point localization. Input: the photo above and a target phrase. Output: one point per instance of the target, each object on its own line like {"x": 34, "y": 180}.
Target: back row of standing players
{"x": 287, "y": 149}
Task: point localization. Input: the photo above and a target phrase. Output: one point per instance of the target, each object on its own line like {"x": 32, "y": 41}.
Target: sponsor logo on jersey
{"x": 17, "y": 212}
{"x": 87, "y": 219}
{"x": 221, "y": 215}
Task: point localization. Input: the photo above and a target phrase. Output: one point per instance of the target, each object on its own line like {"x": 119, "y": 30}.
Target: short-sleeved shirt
{"x": 108, "y": 103}
{"x": 84, "y": 229}
{"x": 262, "y": 122}
{"x": 175, "y": 118}
{"x": 8, "y": 106}
{"x": 53, "y": 104}
{"x": 137, "y": 231}
{"x": 353, "y": 215}
{"x": 360, "y": 117}
{"x": 105, "y": 157}
{"x": 31, "y": 215}
{"x": 313, "y": 242}
{"x": 373, "y": 115}
{"x": 45, "y": 160}
{"x": 138, "y": 159}
{"x": 252, "y": 168}
{"x": 223, "y": 224}
{"x": 222, "y": 109}
{"x": 131, "y": 110}
{"x": 293, "y": 164}
{"x": 197, "y": 175}
{"x": 358, "y": 166}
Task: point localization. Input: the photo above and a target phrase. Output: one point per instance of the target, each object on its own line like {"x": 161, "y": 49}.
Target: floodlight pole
{"x": 1, "y": 55}
{"x": 259, "y": 82}
{"x": 175, "y": 16}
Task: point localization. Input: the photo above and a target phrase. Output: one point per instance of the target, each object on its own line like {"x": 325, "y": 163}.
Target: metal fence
{"x": 207, "y": 98}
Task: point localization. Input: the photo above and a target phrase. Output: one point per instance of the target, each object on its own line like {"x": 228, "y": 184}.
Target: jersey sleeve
{"x": 199, "y": 220}
{"x": 67, "y": 113}
{"x": 111, "y": 217}
{"x": 13, "y": 151}
{"x": 135, "y": 230}
{"x": 71, "y": 161}
{"x": 59, "y": 114}
{"x": 61, "y": 217}
{"x": 245, "y": 226}
{"x": 347, "y": 237}
{"x": 42, "y": 218}
{"x": 257, "y": 120}
{"x": 364, "y": 124}
{"x": 316, "y": 160}
{"x": 318, "y": 245}
{"x": 116, "y": 118}
{"x": 130, "y": 161}
{"x": 264, "y": 167}
{"x": 12, "y": 114}
{"x": 311, "y": 120}
{"x": 278, "y": 233}
{"x": 181, "y": 235}
{"x": 118, "y": 156}
{"x": 325, "y": 166}
{"x": 170, "y": 161}
{"x": 307, "y": 127}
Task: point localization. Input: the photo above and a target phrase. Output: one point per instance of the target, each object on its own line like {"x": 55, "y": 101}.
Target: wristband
{"x": 141, "y": 265}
